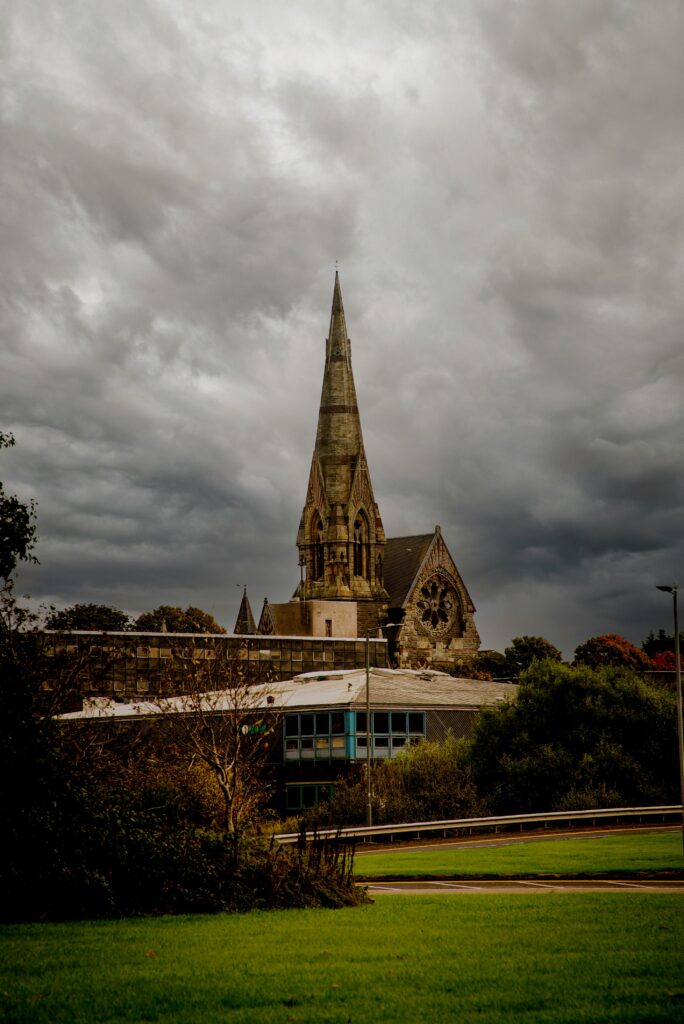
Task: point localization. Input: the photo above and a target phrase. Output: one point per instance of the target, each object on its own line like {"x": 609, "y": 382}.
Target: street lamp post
{"x": 678, "y": 683}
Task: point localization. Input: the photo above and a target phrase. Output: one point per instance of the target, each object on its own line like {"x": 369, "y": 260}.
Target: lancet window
{"x": 317, "y": 549}
{"x": 361, "y": 545}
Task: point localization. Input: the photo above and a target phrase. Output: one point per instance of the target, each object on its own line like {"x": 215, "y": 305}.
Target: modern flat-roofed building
{"x": 322, "y": 721}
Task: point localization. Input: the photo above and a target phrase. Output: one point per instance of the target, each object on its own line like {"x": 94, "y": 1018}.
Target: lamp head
{"x": 668, "y": 590}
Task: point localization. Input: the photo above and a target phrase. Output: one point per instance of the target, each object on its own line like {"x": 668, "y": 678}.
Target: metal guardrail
{"x": 472, "y": 824}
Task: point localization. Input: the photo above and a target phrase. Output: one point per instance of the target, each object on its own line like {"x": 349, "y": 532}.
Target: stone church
{"x": 355, "y": 581}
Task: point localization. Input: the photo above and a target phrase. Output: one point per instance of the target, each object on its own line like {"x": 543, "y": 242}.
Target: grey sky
{"x": 502, "y": 185}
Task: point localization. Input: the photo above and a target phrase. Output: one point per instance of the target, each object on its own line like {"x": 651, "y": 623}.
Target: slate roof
{"x": 403, "y": 558}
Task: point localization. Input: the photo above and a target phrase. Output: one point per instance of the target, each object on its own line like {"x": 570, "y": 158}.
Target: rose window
{"x": 437, "y": 604}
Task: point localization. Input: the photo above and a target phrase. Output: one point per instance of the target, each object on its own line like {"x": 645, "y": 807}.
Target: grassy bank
{"x": 624, "y": 854}
{"x": 574, "y": 958}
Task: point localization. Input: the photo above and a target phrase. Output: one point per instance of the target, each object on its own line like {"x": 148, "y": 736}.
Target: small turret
{"x": 245, "y": 620}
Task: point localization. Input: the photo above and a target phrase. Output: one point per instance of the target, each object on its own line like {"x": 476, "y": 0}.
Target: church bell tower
{"x": 341, "y": 539}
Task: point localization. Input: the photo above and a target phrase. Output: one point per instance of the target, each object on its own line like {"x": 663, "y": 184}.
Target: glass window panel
{"x": 337, "y": 722}
{"x": 323, "y": 724}
{"x": 307, "y": 725}
{"x": 291, "y": 744}
{"x": 322, "y": 743}
{"x": 398, "y": 721}
{"x": 293, "y": 797}
{"x": 360, "y": 721}
{"x": 380, "y": 721}
{"x": 338, "y": 742}
{"x": 415, "y": 722}
{"x": 291, "y": 725}
{"x": 382, "y": 741}
{"x": 398, "y": 741}
{"x": 308, "y": 796}
{"x": 307, "y": 744}
{"x": 361, "y": 742}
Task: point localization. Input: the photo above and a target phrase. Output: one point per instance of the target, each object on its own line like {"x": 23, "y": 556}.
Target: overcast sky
{"x": 503, "y": 185}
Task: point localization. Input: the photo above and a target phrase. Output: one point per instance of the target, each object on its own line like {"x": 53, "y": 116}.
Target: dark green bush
{"x": 577, "y": 738}
{"x": 425, "y": 782}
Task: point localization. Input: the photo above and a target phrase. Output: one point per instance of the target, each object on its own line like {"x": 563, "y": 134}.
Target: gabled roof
{"x": 403, "y": 558}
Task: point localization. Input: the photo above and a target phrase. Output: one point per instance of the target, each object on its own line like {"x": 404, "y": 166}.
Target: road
{"x": 519, "y": 886}
{"x": 526, "y": 888}
{"x": 508, "y": 839}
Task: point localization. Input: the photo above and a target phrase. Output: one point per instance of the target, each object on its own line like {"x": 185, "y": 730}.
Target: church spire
{"x": 339, "y": 442}
{"x": 338, "y": 324}
{"x": 341, "y": 538}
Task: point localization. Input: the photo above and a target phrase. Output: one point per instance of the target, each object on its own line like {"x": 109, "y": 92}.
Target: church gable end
{"x": 437, "y": 624}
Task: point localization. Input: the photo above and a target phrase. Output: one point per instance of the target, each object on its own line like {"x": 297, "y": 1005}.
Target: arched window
{"x": 317, "y": 547}
{"x": 361, "y": 545}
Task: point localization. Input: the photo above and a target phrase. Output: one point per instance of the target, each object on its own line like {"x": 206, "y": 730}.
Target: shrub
{"x": 576, "y": 738}
{"x": 425, "y": 782}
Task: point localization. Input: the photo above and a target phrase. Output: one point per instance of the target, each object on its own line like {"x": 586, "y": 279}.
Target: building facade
{"x": 320, "y": 720}
{"x": 126, "y": 666}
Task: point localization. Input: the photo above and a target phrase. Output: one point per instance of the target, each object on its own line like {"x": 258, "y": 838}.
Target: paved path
{"x": 507, "y": 885}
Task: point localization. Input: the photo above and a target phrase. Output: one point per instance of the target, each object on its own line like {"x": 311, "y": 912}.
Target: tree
{"x": 575, "y": 738}
{"x": 172, "y": 619}
{"x": 664, "y": 661}
{"x": 493, "y": 663}
{"x": 610, "y": 649}
{"x": 526, "y": 649}
{"x": 17, "y": 526}
{"x": 100, "y": 617}
{"x": 225, "y": 721}
{"x": 663, "y": 643}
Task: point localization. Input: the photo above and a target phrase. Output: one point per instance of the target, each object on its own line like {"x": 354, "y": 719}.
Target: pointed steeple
{"x": 339, "y": 443}
{"x": 337, "y": 333}
{"x": 340, "y": 537}
{"x": 245, "y": 620}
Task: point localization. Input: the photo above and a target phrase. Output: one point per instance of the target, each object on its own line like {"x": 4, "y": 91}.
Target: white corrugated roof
{"x": 389, "y": 688}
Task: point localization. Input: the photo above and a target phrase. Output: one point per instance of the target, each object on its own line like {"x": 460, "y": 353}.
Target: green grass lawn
{"x": 661, "y": 851}
{"x": 569, "y": 958}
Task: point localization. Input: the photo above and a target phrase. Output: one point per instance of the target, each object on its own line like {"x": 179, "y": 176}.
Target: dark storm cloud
{"x": 502, "y": 186}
